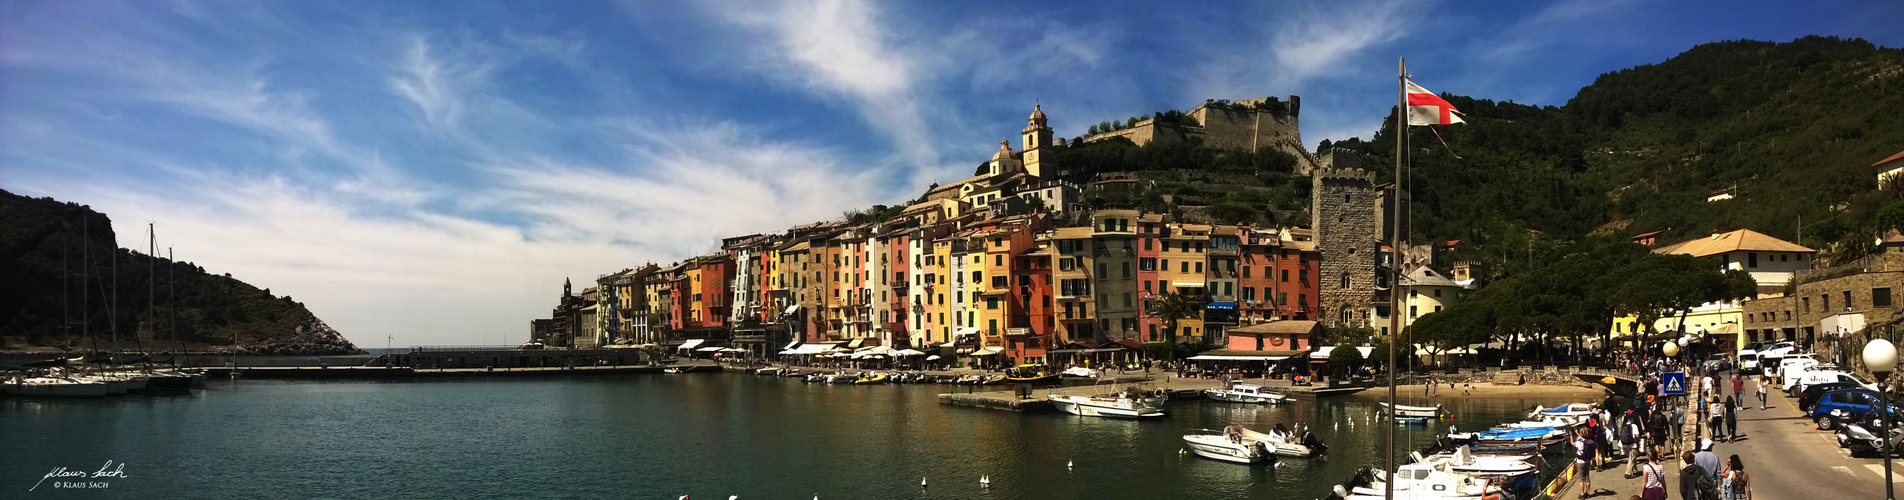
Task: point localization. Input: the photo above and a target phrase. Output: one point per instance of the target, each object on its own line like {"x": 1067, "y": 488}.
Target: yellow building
{"x": 1181, "y": 257}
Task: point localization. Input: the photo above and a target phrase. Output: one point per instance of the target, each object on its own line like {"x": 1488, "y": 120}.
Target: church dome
{"x": 1037, "y": 114}
{"x": 1004, "y": 150}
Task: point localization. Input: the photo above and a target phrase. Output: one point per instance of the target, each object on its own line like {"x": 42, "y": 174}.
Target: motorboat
{"x": 1415, "y": 411}
{"x": 1298, "y": 442}
{"x": 1567, "y": 415}
{"x": 772, "y": 370}
{"x": 1511, "y": 437}
{"x": 1228, "y": 446}
{"x": 1423, "y": 480}
{"x": 1246, "y": 393}
{"x": 871, "y": 379}
{"x": 1463, "y": 460}
{"x": 1411, "y": 420}
{"x": 1078, "y": 372}
{"x": 1114, "y": 407}
{"x": 674, "y": 369}
{"x": 1051, "y": 378}
{"x": 53, "y": 387}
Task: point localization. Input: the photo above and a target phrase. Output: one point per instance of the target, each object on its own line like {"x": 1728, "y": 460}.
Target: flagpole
{"x": 1394, "y": 311}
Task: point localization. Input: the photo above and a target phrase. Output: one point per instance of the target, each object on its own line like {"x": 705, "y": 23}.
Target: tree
{"x": 1170, "y": 308}
{"x": 1345, "y": 358}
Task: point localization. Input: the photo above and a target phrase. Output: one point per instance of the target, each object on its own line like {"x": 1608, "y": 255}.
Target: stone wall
{"x": 1343, "y": 210}
{"x": 1816, "y": 300}
{"x": 1230, "y": 128}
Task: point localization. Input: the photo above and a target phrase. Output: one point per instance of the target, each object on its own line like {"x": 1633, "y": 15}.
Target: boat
{"x": 674, "y": 369}
{"x": 1415, "y": 411}
{"x": 1078, "y": 372}
{"x": 53, "y": 387}
{"x": 871, "y": 379}
{"x": 772, "y": 370}
{"x": 1298, "y": 442}
{"x": 1463, "y": 460}
{"x": 1511, "y": 436}
{"x": 1114, "y": 407}
{"x": 1246, "y": 393}
{"x": 1411, "y": 420}
{"x": 1038, "y": 379}
{"x": 171, "y": 381}
{"x": 1567, "y": 415}
{"x": 1228, "y": 447}
{"x": 1423, "y": 480}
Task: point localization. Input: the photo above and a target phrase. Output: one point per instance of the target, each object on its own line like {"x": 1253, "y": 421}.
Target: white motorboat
{"x": 54, "y": 387}
{"x": 1567, "y": 415}
{"x": 1228, "y": 447}
{"x": 1423, "y": 480}
{"x": 1115, "y": 407}
{"x": 1078, "y": 372}
{"x": 1463, "y": 460}
{"x": 1295, "y": 443}
{"x": 1246, "y": 393}
{"x": 1415, "y": 411}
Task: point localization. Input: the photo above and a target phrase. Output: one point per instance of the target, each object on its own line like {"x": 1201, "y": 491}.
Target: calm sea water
{"x": 657, "y": 436}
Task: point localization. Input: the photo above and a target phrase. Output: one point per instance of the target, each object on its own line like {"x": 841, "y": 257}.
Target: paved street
{"x": 1786, "y": 455}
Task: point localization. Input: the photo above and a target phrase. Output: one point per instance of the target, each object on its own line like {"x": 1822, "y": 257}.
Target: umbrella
{"x": 907, "y": 352}
{"x": 932, "y": 357}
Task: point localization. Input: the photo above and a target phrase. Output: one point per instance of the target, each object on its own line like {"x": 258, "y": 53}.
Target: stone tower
{"x": 1037, "y": 143}
{"x": 1343, "y": 207}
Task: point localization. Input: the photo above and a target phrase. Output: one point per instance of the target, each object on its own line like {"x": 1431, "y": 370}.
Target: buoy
{"x": 985, "y": 481}
{"x": 922, "y": 481}
{"x": 1067, "y": 464}
{"x": 1180, "y": 451}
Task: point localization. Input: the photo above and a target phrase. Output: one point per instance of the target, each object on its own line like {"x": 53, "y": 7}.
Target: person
{"x": 1653, "y": 487}
{"x": 1584, "y": 447}
{"x": 1693, "y": 481}
{"x": 1705, "y": 458}
{"x": 1738, "y": 390}
{"x": 1629, "y": 443}
{"x": 1715, "y": 421}
{"x": 1762, "y": 384}
{"x": 1732, "y": 421}
{"x": 1659, "y": 429}
{"x": 1734, "y": 484}
{"x": 1679, "y": 425}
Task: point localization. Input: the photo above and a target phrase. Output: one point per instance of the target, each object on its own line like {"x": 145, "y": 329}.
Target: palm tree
{"x": 1171, "y": 307}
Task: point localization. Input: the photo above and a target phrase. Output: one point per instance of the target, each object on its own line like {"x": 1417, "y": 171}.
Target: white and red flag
{"x": 1428, "y": 108}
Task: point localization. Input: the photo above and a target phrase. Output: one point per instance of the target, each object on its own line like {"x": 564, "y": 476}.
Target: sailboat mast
{"x": 1394, "y": 286}
{"x": 66, "y": 285}
{"x": 113, "y": 317}
{"x": 171, "y": 285}
{"x": 85, "y": 276}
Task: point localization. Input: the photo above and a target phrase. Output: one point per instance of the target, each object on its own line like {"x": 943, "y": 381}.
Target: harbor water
{"x": 663, "y": 436}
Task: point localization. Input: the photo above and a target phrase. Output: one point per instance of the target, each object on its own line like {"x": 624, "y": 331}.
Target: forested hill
{"x": 43, "y": 240}
{"x": 1794, "y": 127}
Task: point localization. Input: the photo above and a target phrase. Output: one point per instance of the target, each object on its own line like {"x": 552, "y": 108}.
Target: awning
{"x": 1187, "y": 284}
{"x": 791, "y": 344}
{"x": 855, "y": 343}
{"x": 1323, "y": 352}
{"x": 908, "y": 352}
{"x": 733, "y": 349}
{"x": 987, "y": 351}
{"x": 968, "y": 330}
{"x": 932, "y": 357}
{"x": 691, "y": 343}
{"x": 792, "y": 309}
{"x": 1238, "y": 358}
{"x": 708, "y": 349}
{"x": 1220, "y": 305}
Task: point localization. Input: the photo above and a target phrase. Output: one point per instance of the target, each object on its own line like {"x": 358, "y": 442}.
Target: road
{"x": 1788, "y": 457}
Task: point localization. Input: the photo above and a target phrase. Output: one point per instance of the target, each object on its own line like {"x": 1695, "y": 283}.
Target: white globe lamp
{"x": 1670, "y": 349}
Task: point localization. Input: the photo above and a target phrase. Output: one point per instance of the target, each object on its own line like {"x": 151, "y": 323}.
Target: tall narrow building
{"x": 1343, "y": 207}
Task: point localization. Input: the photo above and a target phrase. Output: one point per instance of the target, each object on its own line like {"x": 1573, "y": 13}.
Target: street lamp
{"x": 1669, "y": 348}
{"x": 1880, "y": 356}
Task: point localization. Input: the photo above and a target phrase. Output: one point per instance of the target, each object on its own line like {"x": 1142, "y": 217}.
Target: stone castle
{"x": 1248, "y": 124}
{"x": 1343, "y": 210}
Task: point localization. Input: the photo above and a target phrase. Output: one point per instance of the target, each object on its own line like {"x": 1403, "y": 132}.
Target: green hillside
{"x": 1793, "y": 126}
{"x": 39, "y": 237}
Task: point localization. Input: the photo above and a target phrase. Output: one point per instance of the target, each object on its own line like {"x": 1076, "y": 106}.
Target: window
{"x": 1414, "y": 293}
{"x": 1824, "y": 303}
{"x": 1147, "y": 264}
{"x": 1103, "y": 271}
{"x": 1751, "y": 259}
{"x": 978, "y": 277}
{"x": 999, "y": 282}
{"x": 992, "y": 326}
{"x": 1881, "y": 297}
{"x": 1065, "y": 263}
{"x": 1127, "y": 299}
{"x": 1127, "y": 269}
{"x": 1185, "y": 266}
{"x": 998, "y": 260}
{"x": 1285, "y": 276}
{"x": 1437, "y": 292}
{"x": 1345, "y": 281}
{"x": 1199, "y": 268}
{"x": 1147, "y": 244}
{"x": 1303, "y": 276}
{"x": 1302, "y": 300}
{"x": 1847, "y": 300}
{"x": 991, "y": 303}
{"x": 1199, "y": 247}
{"x": 1807, "y": 303}
{"x": 1229, "y": 288}
{"x": 1246, "y": 272}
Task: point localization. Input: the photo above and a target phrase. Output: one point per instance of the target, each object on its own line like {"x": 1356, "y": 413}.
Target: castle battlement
{"x": 1345, "y": 174}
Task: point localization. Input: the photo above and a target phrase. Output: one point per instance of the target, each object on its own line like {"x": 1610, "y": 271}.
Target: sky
{"x": 423, "y": 173}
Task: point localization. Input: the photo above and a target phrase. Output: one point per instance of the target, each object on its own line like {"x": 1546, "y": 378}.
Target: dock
{"x": 393, "y": 373}
{"x": 1003, "y": 397}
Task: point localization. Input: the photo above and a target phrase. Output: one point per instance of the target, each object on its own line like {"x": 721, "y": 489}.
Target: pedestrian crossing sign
{"x": 1675, "y": 383}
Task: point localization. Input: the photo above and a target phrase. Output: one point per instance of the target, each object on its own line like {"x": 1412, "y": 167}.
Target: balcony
{"x": 1017, "y": 332}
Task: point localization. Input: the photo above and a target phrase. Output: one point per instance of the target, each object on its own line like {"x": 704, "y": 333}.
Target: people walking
{"x": 1653, "y": 487}
{"x": 1738, "y": 390}
{"x": 1584, "y": 447}
{"x": 1734, "y": 484}
{"x": 1709, "y": 461}
{"x": 1715, "y": 421}
{"x": 1679, "y": 425}
{"x": 1693, "y": 481}
{"x": 1629, "y": 442}
{"x": 1762, "y": 383}
{"x": 1732, "y": 421}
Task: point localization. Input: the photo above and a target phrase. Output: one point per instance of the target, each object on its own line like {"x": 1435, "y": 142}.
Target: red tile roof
{"x": 1895, "y": 157}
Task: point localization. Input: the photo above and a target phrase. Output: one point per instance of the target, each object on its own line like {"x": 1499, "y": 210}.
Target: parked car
{"x": 1791, "y": 363}
{"x": 1849, "y": 405}
{"x": 1808, "y": 397}
{"x": 1718, "y": 364}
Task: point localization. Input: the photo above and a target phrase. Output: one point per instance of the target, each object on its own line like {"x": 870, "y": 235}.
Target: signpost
{"x": 1674, "y": 382}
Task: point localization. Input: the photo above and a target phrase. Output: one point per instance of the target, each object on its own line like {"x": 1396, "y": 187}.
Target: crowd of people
{"x": 1649, "y": 428}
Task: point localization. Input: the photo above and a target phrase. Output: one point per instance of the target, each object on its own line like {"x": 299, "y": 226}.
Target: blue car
{"x": 1846, "y": 406}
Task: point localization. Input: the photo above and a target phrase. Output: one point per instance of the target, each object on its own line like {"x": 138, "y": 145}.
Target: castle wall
{"x": 1343, "y": 208}
{"x": 1227, "y": 128}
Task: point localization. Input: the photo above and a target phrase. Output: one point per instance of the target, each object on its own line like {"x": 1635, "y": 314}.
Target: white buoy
{"x": 922, "y": 481}
{"x": 1067, "y": 464}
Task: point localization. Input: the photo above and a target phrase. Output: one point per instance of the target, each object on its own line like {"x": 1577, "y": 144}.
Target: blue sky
{"x": 431, "y": 171}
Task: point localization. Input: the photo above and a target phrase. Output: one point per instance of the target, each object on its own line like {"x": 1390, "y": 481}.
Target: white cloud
{"x": 1557, "y": 22}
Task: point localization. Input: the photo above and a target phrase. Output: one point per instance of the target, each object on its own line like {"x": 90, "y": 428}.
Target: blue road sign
{"x": 1675, "y": 383}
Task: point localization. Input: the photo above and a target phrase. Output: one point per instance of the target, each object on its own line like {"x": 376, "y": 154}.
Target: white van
{"x": 1788, "y": 361}
{"x": 1748, "y": 362}
{"x": 1789, "y": 375}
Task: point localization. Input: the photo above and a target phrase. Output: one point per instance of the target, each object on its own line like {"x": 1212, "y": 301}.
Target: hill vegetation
{"x": 46, "y": 276}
